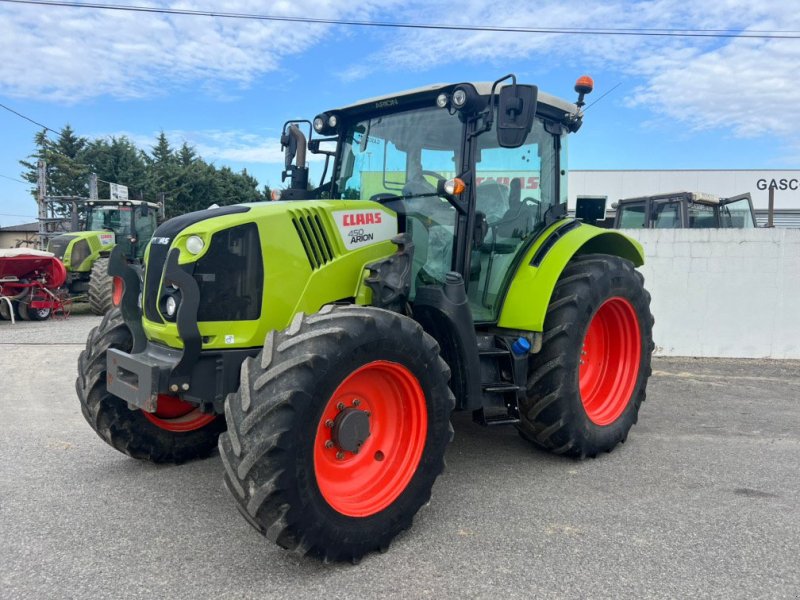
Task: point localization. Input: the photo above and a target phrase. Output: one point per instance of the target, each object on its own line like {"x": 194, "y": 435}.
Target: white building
{"x": 629, "y": 184}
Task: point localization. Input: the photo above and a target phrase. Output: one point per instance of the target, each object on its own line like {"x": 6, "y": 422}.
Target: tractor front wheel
{"x": 101, "y": 286}
{"x": 338, "y": 431}
{"x": 177, "y": 432}
{"x": 587, "y": 383}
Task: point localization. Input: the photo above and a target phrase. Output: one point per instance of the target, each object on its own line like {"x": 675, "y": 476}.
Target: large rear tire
{"x": 338, "y": 431}
{"x": 101, "y": 287}
{"x": 587, "y": 383}
{"x": 176, "y": 433}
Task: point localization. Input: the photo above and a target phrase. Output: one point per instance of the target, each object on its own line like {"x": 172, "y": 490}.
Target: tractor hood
{"x": 251, "y": 267}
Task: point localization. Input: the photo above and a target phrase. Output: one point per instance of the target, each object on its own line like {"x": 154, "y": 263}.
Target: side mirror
{"x": 516, "y": 105}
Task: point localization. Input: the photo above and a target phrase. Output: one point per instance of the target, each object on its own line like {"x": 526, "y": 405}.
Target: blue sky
{"x": 227, "y": 86}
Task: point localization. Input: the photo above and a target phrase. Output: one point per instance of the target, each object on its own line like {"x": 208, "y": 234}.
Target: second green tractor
{"x": 323, "y": 340}
{"x": 128, "y": 224}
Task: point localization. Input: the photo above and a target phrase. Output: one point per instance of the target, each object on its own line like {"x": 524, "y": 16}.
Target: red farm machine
{"x": 29, "y": 285}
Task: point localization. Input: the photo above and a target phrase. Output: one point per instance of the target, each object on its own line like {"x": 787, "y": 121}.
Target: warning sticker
{"x": 360, "y": 228}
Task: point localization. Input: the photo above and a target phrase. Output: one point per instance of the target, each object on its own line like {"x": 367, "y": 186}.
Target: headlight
{"x": 319, "y": 124}
{"x": 332, "y": 121}
{"x": 441, "y": 100}
{"x": 195, "y": 244}
{"x": 171, "y": 306}
{"x": 459, "y": 98}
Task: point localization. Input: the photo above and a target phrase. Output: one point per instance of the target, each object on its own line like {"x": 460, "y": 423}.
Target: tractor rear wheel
{"x": 177, "y": 432}
{"x": 338, "y": 431}
{"x": 101, "y": 287}
{"x": 587, "y": 383}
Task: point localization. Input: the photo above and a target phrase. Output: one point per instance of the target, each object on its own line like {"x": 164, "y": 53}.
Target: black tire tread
{"x": 123, "y": 429}
{"x": 101, "y": 286}
{"x": 262, "y": 418}
{"x": 546, "y": 417}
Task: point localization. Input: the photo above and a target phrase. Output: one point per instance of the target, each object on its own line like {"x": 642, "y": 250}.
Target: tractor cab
{"x": 474, "y": 171}
{"x": 685, "y": 210}
{"x": 130, "y": 221}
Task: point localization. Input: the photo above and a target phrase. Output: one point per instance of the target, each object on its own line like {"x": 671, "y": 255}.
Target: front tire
{"x": 101, "y": 287}
{"x": 587, "y": 383}
{"x": 176, "y": 433}
{"x": 338, "y": 431}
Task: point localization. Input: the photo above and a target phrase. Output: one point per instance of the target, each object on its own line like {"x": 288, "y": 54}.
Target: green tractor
{"x": 323, "y": 341}
{"x": 127, "y": 224}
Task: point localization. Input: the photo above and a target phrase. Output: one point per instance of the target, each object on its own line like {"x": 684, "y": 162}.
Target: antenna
{"x": 601, "y": 97}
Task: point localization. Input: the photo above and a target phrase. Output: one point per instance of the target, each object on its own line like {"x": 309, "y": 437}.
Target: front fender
{"x": 528, "y": 296}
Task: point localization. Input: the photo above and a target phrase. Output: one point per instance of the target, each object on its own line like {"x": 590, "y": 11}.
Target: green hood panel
{"x": 314, "y": 253}
{"x": 83, "y": 248}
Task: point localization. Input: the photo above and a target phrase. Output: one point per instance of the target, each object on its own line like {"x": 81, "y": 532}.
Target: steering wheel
{"x": 435, "y": 175}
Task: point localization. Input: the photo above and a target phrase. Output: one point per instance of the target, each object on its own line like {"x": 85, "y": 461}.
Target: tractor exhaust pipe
{"x": 293, "y": 141}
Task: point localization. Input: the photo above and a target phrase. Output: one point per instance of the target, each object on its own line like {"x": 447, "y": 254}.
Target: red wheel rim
{"x": 117, "y": 288}
{"x": 609, "y": 362}
{"x": 173, "y": 414}
{"x": 364, "y": 483}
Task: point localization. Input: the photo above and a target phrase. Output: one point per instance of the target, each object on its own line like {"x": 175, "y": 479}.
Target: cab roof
{"x": 484, "y": 88}
{"x": 111, "y": 202}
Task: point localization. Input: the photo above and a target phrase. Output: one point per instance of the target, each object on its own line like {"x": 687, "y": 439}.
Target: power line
{"x": 19, "y": 114}
{"x": 701, "y": 33}
{"x": 21, "y": 216}
{"x": 15, "y": 179}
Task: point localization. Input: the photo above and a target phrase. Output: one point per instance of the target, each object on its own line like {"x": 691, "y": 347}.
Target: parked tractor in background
{"x": 128, "y": 224}
{"x": 322, "y": 330}
{"x": 685, "y": 210}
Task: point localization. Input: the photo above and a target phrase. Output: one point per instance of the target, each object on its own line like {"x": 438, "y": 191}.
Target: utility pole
{"x": 93, "y": 186}
{"x": 771, "y": 210}
{"x": 41, "y": 194}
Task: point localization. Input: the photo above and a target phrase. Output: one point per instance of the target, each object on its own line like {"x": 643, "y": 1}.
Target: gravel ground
{"x": 703, "y": 501}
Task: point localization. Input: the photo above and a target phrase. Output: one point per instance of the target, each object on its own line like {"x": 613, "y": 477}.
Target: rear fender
{"x": 528, "y": 296}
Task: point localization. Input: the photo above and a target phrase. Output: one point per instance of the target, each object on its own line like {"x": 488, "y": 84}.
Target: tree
{"x": 67, "y": 173}
{"x": 187, "y": 181}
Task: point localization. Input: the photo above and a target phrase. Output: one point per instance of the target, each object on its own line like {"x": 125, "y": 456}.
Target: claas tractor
{"x": 128, "y": 224}
{"x": 323, "y": 340}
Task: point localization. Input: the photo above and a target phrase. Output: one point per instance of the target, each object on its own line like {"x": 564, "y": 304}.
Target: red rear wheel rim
{"x": 365, "y": 483}
{"x": 610, "y": 359}
{"x": 173, "y": 414}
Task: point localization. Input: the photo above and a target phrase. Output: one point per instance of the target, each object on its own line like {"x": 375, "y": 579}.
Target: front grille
{"x": 152, "y": 280}
{"x": 313, "y": 236}
{"x": 230, "y": 276}
{"x": 80, "y": 252}
{"x": 58, "y": 245}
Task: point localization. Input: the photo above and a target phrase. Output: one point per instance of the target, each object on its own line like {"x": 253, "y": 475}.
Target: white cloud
{"x": 740, "y": 85}
{"x": 227, "y": 146}
{"x": 68, "y": 54}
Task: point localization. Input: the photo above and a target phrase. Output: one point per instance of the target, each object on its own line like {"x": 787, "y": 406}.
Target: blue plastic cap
{"x": 521, "y": 346}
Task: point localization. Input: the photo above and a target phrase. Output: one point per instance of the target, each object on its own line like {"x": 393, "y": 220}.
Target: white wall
{"x": 724, "y": 292}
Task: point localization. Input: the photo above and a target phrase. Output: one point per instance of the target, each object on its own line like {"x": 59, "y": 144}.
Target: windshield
{"x": 398, "y": 159}
{"x": 110, "y": 218}
{"x": 401, "y": 154}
